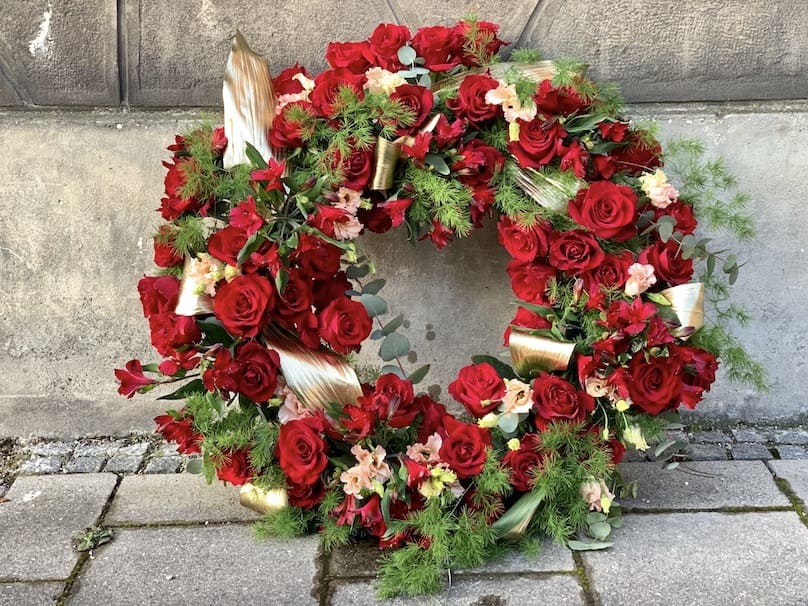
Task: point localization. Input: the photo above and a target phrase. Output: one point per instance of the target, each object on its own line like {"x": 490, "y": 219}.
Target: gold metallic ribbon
{"x": 532, "y": 353}
{"x": 261, "y": 500}
{"x": 388, "y": 153}
{"x": 687, "y": 302}
{"x": 249, "y": 103}
{"x": 549, "y": 192}
{"x": 316, "y": 377}
{"x": 541, "y": 70}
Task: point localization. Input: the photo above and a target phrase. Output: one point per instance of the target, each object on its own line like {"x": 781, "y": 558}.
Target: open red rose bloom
{"x": 426, "y": 132}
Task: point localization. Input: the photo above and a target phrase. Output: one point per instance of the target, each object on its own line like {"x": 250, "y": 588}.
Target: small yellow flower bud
{"x": 514, "y": 444}
{"x": 622, "y": 406}
{"x": 231, "y": 272}
{"x": 513, "y": 131}
{"x": 489, "y": 420}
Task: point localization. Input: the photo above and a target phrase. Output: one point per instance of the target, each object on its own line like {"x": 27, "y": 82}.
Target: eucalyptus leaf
{"x": 710, "y": 264}
{"x": 194, "y": 466}
{"x": 425, "y": 81}
{"x": 508, "y": 423}
{"x": 392, "y": 369}
{"x": 503, "y": 370}
{"x": 374, "y": 287}
{"x": 438, "y": 163}
{"x": 355, "y": 272}
{"x": 665, "y": 230}
{"x": 593, "y": 546}
{"x": 394, "y": 346}
{"x": 600, "y": 530}
{"x": 663, "y": 447}
{"x": 393, "y": 325}
{"x": 595, "y": 516}
{"x": 672, "y": 466}
{"x": 417, "y": 375}
{"x": 407, "y": 55}
{"x": 376, "y": 334}
{"x": 375, "y": 305}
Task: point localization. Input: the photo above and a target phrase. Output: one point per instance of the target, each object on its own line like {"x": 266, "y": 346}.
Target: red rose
{"x": 325, "y": 291}
{"x": 393, "y": 398}
{"x": 470, "y": 103}
{"x": 699, "y": 368}
{"x": 286, "y": 84}
{"x": 668, "y": 264}
{"x": 226, "y": 244}
{"x": 524, "y": 463}
{"x": 385, "y": 41}
{"x": 164, "y": 253}
{"x": 170, "y": 331}
{"x": 317, "y": 258}
{"x": 575, "y": 251}
{"x": 523, "y": 243}
{"x": 655, "y": 385}
{"x": 416, "y": 98}
{"x": 525, "y": 318}
{"x": 258, "y": 371}
{"x": 610, "y": 275}
{"x": 158, "y": 295}
{"x": 441, "y": 47}
{"x": 344, "y": 324}
{"x": 484, "y": 38}
{"x": 529, "y": 280}
{"x": 353, "y": 56}
{"x": 539, "y": 143}
{"x": 296, "y": 298}
{"x": 465, "y": 447}
{"x": 552, "y": 101}
{"x": 243, "y": 304}
{"x": 327, "y": 85}
{"x": 683, "y": 213}
{"x": 478, "y": 164}
{"x": 609, "y": 210}
{"x": 638, "y": 155}
{"x": 287, "y": 131}
{"x": 301, "y": 451}
{"x": 175, "y": 203}
{"x": 180, "y": 431}
{"x": 305, "y": 496}
{"x": 479, "y": 388}
{"x": 555, "y": 399}
{"x": 245, "y": 216}
{"x": 235, "y": 468}
{"x": 356, "y": 168}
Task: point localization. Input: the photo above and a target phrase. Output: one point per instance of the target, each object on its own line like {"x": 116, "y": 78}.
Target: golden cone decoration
{"x": 249, "y": 103}
{"x": 387, "y": 154}
{"x": 262, "y": 500}
{"x": 549, "y": 192}
{"x": 316, "y": 377}
{"x": 532, "y": 353}
{"x": 192, "y": 299}
{"x": 687, "y": 302}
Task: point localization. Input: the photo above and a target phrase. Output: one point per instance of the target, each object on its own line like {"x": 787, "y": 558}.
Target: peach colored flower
{"x": 372, "y": 463}
{"x": 427, "y": 452}
{"x": 505, "y": 95}
{"x": 594, "y": 493}
{"x": 597, "y": 387}
{"x": 640, "y": 278}
{"x": 518, "y": 397}
{"x": 292, "y": 408}
{"x": 348, "y": 199}
{"x": 347, "y": 229}
{"x": 382, "y": 81}
{"x": 657, "y": 188}
{"x": 206, "y": 271}
{"x": 284, "y": 100}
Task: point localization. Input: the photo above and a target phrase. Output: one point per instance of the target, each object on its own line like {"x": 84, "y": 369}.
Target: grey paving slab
{"x": 704, "y": 558}
{"x": 138, "y": 448}
{"x": 124, "y": 463}
{"x": 746, "y": 434}
{"x": 795, "y": 473}
{"x": 706, "y": 452}
{"x": 787, "y": 451}
{"x": 52, "y": 449}
{"x": 183, "y": 497}
{"x": 711, "y": 437}
{"x": 40, "y": 518}
{"x": 30, "y": 594}
{"x": 198, "y": 565}
{"x": 551, "y": 590}
{"x": 750, "y": 452}
{"x": 84, "y": 465}
{"x": 37, "y": 465}
{"x": 791, "y": 436}
{"x": 169, "y": 464}
{"x": 702, "y": 485}
{"x": 97, "y": 448}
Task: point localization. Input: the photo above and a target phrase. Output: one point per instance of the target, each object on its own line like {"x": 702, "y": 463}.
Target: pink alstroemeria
{"x": 132, "y": 379}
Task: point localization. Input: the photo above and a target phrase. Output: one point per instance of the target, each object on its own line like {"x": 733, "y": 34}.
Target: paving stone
{"x": 38, "y": 522}
{"x": 52, "y": 449}
{"x": 183, "y": 497}
{"x": 711, "y": 437}
{"x": 792, "y": 452}
{"x": 198, "y": 565}
{"x": 704, "y": 558}
{"x": 791, "y": 436}
{"x": 4, "y": 486}
{"x": 750, "y": 452}
{"x": 97, "y": 448}
{"x": 124, "y": 463}
{"x": 30, "y": 594}
{"x": 59, "y": 53}
{"x": 38, "y": 465}
{"x": 745, "y": 434}
{"x": 167, "y": 449}
{"x": 702, "y": 485}
{"x": 555, "y": 590}
{"x": 85, "y": 465}
{"x": 634, "y": 456}
{"x": 169, "y": 464}
{"x": 139, "y": 448}
{"x": 706, "y": 452}
{"x": 795, "y": 473}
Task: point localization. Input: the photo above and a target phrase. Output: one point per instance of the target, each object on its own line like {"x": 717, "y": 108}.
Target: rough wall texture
{"x": 71, "y": 52}
{"x": 77, "y": 195}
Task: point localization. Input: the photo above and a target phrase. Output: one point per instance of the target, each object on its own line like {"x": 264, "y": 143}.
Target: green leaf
{"x": 373, "y": 288}
{"x": 593, "y": 546}
{"x": 250, "y": 246}
{"x": 658, "y": 299}
{"x": 195, "y": 386}
{"x": 194, "y": 466}
{"x": 730, "y": 264}
{"x": 281, "y": 278}
{"x": 416, "y": 376}
{"x": 544, "y": 312}
{"x": 600, "y": 530}
{"x": 438, "y": 163}
{"x": 516, "y": 519}
{"x": 663, "y": 447}
{"x": 376, "y": 335}
{"x": 595, "y": 516}
{"x": 407, "y": 55}
{"x": 375, "y": 305}
{"x": 255, "y": 156}
{"x": 503, "y": 370}
{"x": 355, "y": 272}
{"x": 392, "y": 325}
{"x": 394, "y": 346}
{"x": 672, "y": 466}
{"x": 508, "y": 423}
{"x": 392, "y": 369}
{"x": 665, "y": 227}
{"x": 710, "y": 264}
{"x": 215, "y": 332}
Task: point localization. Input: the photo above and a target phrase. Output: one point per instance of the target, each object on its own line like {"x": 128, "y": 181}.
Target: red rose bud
{"x": 243, "y": 305}
{"x": 132, "y": 380}
{"x": 258, "y": 371}
{"x": 556, "y": 400}
{"x": 539, "y": 142}
{"x": 301, "y": 451}
{"x": 344, "y": 324}
{"x": 465, "y": 447}
{"x": 479, "y": 388}
{"x": 608, "y": 210}
{"x": 470, "y": 103}
{"x": 236, "y": 468}
{"x": 575, "y": 252}
{"x": 656, "y": 385}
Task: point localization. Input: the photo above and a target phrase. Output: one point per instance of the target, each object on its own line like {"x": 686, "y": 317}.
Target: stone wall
{"x": 78, "y": 188}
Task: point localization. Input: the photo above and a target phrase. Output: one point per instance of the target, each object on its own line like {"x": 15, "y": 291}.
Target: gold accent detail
{"x": 316, "y": 377}
{"x": 539, "y": 71}
{"x": 261, "y": 500}
{"x": 191, "y": 302}
{"x": 687, "y": 302}
{"x": 249, "y": 103}
{"x": 387, "y": 154}
{"x": 548, "y": 192}
{"x": 532, "y": 353}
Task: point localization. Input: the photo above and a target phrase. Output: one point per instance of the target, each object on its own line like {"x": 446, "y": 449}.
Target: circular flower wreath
{"x": 430, "y": 132}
